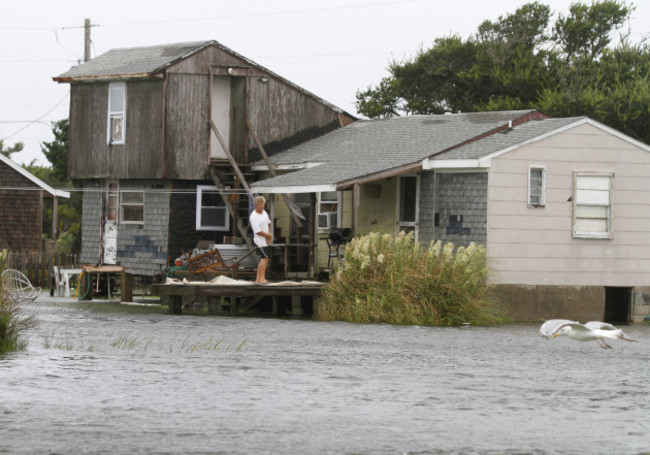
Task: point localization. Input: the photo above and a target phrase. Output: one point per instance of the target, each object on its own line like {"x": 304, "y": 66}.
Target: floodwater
{"x": 104, "y": 378}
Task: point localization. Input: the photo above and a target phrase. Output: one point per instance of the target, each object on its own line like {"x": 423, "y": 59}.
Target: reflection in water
{"x": 108, "y": 379}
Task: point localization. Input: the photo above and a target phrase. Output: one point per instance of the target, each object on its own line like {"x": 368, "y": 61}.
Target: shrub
{"x": 13, "y": 318}
{"x": 394, "y": 280}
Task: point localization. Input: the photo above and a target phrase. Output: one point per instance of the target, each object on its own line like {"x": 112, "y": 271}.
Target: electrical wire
{"x": 38, "y": 119}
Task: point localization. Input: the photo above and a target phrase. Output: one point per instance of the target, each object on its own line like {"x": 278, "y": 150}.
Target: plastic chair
{"x": 337, "y": 237}
{"x": 17, "y": 285}
{"x": 59, "y": 284}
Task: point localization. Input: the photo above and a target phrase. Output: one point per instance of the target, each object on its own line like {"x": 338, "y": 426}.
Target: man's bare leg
{"x": 261, "y": 271}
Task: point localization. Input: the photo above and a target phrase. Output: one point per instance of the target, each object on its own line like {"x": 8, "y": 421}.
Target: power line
{"x": 38, "y": 120}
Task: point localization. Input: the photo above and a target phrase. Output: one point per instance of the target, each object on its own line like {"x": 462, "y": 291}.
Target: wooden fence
{"x": 38, "y": 266}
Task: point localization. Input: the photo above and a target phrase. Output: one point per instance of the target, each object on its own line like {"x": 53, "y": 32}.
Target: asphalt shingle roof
{"x": 132, "y": 61}
{"x": 370, "y": 146}
{"x": 509, "y": 138}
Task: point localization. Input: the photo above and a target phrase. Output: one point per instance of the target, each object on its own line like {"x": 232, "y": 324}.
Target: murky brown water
{"x": 108, "y": 379}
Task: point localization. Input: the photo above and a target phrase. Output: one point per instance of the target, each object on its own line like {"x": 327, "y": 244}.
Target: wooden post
{"x": 275, "y": 309}
{"x": 355, "y": 209}
{"x": 214, "y": 305}
{"x": 55, "y": 219}
{"x": 126, "y": 294}
{"x": 175, "y": 304}
{"x": 296, "y": 305}
{"x": 234, "y": 305}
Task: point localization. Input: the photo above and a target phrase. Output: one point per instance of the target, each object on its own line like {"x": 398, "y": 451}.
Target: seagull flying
{"x": 592, "y": 330}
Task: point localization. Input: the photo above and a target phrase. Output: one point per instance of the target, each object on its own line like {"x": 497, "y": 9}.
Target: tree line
{"x": 582, "y": 63}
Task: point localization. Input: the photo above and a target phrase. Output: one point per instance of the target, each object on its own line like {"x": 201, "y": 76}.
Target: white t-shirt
{"x": 260, "y": 222}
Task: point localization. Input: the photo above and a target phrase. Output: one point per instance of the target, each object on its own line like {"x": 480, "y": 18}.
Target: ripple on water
{"x": 179, "y": 385}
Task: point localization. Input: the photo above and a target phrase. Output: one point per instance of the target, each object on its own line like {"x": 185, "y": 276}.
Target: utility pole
{"x": 86, "y": 39}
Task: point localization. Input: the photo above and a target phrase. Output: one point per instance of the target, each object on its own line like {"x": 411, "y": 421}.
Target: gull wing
{"x": 597, "y": 325}
{"x": 553, "y": 325}
{"x": 610, "y": 331}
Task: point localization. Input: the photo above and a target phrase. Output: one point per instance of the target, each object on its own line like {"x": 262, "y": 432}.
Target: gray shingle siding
{"x": 90, "y": 223}
{"x": 142, "y": 249}
{"x": 460, "y": 208}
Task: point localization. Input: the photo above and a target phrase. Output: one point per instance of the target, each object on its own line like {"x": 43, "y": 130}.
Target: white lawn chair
{"x": 59, "y": 283}
{"x": 17, "y": 285}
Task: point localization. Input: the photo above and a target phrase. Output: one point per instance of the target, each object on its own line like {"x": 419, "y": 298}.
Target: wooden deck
{"x": 295, "y": 298}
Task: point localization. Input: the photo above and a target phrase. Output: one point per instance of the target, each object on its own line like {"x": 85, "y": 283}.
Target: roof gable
{"x": 38, "y": 182}
{"x": 150, "y": 61}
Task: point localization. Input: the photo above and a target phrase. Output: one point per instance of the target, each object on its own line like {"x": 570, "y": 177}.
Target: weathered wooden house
{"x": 154, "y": 135}
{"x": 22, "y": 197}
{"x": 562, "y": 205}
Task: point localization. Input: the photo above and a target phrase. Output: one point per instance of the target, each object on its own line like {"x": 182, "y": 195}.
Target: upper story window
{"x": 536, "y": 186}
{"x": 116, "y": 112}
{"x": 329, "y": 204}
{"x": 211, "y": 211}
{"x": 132, "y": 207}
{"x": 592, "y": 205}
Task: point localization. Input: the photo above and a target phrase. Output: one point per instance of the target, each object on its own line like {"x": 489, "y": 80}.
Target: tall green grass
{"x": 395, "y": 280}
{"x": 13, "y": 318}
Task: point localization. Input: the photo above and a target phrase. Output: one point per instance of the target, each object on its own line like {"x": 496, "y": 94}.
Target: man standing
{"x": 261, "y": 225}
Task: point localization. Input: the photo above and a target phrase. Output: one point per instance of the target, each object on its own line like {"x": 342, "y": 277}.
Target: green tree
{"x": 588, "y": 29}
{"x": 69, "y": 210}
{"x": 8, "y": 151}
{"x": 56, "y": 151}
{"x": 522, "y": 61}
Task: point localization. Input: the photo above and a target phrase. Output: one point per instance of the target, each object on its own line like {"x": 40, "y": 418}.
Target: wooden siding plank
{"x": 187, "y": 129}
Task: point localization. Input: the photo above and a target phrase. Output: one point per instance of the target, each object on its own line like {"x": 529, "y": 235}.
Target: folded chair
{"x": 17, "y": 285}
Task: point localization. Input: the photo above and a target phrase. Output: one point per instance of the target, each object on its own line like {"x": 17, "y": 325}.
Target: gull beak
{"x": 555, "y": 335}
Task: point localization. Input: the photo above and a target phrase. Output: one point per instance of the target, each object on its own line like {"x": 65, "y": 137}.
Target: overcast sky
{"x": 331, "y": 48}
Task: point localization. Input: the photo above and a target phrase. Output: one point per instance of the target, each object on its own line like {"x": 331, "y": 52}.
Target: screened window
{"x": 211, "y": 211}
{"x": 132, "y": 207}
{"x": 328, "y": 209}
{"x": 116, "y": 112}
{"x": 536, "y": 186}
{"x": 592, "y": 205}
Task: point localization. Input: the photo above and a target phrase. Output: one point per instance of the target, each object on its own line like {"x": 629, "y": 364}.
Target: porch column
{"x": 355, "y": 208}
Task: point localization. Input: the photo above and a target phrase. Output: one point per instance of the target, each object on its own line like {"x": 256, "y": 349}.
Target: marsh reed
{"x": 394, "y": 280}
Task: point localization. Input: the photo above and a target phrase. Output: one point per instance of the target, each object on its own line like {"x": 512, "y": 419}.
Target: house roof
{"x": 132, "y": 62}
{"x": 149, "y": 61}
{"x": 503, "y": 141}
{"x": 367, "y": 150}
{"x": 38, "y": 182}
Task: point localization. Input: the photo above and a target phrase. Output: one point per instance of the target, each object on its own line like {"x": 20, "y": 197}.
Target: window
{"x": 132, "y": 207}
{"x": 211, "y": 211}
{"x": 116, "y": 112}
{"x": 328, "y": 209}
{"x": 592, "y": 208}
{"x": 537, "y": 186}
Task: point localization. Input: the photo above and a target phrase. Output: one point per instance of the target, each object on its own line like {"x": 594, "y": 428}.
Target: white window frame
{"x": 116, "y": 113}
{"x": 592, "y": 197}
{"x": 329, "y": 215}
{"x": 131, "y": 204}
{"x": 199, "y": 199}
{"x": 542, "y": 186}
